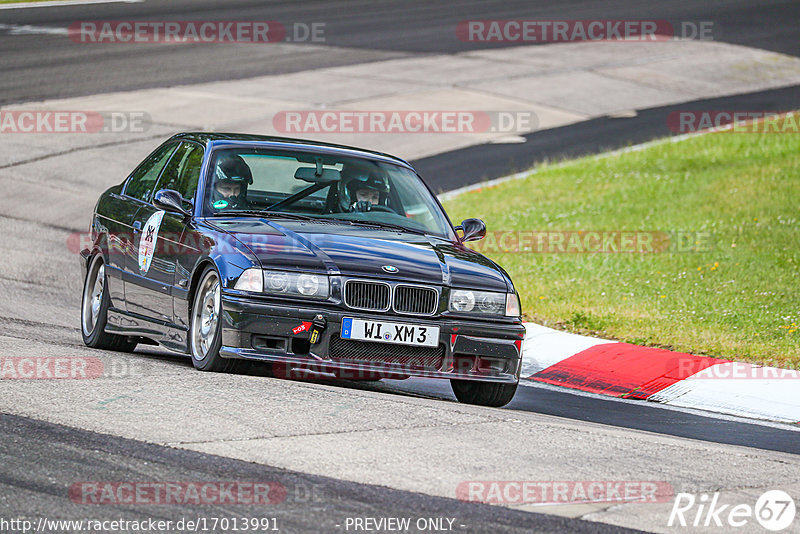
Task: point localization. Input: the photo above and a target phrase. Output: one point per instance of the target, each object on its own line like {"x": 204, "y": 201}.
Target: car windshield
{"x": 253, "y": 181}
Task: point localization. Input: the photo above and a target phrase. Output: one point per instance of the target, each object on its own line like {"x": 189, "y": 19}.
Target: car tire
{"x": 205, "y": 332}
{"x": 483, "y": 393}
{"x": 94, "y": 311}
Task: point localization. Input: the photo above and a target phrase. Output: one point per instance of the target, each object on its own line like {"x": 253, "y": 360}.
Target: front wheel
{"x": 492, "y": 394}
{"x": 206, "y": 329}
{"x": 94, "y": 311}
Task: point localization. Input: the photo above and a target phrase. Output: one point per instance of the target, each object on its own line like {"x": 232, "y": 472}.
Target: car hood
{"x": 359, "y": 251}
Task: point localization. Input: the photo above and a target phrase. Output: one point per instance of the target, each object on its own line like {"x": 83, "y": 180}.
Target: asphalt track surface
{"x": 311, "y": 504}
{"x": 44, "y": 66}
{"x": 39, "y": 458}
{"x": 471, "y": 165}
{"x": 41, "y": 66}
{"x": 631, "y": 414}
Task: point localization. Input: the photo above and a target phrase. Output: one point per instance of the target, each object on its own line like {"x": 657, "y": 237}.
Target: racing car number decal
{"x": 147, "y": 246}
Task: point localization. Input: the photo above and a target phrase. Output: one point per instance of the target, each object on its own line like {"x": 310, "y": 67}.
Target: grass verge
{"x": 720, "y": 214}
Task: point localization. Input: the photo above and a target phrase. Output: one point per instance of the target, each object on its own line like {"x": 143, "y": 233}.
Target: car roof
{"x": 210, "y": 139}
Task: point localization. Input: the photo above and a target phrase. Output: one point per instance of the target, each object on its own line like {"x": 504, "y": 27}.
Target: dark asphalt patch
{"x": 41, "y": 461}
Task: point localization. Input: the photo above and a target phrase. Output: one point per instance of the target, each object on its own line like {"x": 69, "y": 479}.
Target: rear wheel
{"x": 206, "y": 329}
{"x": 94, "y": 311}
{"x": 483, "y": 393}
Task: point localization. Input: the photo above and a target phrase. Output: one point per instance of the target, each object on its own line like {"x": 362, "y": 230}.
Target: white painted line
{"x": 58, "y": 3}
{"x": 16, "y": 29}
{"x": 710, "y": 390}
{"x": 729, "y": 388}
{"x": 659, "y": 406}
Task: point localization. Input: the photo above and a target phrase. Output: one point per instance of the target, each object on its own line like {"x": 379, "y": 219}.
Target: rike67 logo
{"x": 774, "y": 510}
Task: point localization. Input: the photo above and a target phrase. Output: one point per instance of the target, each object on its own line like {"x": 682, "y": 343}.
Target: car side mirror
{"x": 170, "y": 200}
{"x": 474, "y": 230}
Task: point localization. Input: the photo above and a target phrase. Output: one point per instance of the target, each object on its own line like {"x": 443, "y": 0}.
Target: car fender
{"x": 207, "y": 246}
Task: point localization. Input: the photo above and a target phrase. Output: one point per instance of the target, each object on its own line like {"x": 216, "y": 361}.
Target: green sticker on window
{"x": 219, "y": 204}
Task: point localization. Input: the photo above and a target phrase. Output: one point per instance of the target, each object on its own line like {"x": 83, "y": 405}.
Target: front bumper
{"x": 467, "y": 349}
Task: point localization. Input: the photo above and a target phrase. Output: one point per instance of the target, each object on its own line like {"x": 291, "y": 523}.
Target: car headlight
{"x": 463, "y": 301}
{"x": 484, "y": 302}
{"x": 477, "y": 302}
{"x": 284, "y": 283}
{"x": 311, "y": 285}
{"x": 276, "y": 282}
{"x": 298, "y": 284}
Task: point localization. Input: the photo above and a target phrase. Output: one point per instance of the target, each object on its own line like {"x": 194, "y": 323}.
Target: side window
{"x": 183, "y": 171}
{"x": 140, "y": 184}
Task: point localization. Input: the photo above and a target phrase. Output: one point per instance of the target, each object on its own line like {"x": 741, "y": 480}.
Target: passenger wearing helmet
{"x": 231, "y": 179}
{"x": 361, "y": 190}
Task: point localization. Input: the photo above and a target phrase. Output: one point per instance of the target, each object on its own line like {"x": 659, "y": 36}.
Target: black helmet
{"x": 355, "y": 178}
{"x": 231, "y": 170}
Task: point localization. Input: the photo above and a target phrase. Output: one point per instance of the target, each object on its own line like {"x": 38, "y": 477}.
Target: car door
{"x": 119, "y": 211}
{"x": 156, "y": 249}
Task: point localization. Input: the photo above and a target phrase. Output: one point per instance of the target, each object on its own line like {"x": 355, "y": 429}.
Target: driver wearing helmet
{"x": 360, "y": 190}
{"x": 231, "y": 179}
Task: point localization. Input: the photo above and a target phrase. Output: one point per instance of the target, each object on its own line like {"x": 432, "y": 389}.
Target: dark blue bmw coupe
{"x": 321, "y": 260}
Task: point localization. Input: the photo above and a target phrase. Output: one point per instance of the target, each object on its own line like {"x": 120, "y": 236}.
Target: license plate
{"x": 383, "y": 332}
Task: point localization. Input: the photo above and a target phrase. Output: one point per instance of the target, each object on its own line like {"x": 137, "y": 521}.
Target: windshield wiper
{"x": 303, "y": 217}
{"x": 381, "y": 224}
{"x": 266, "y": 213}
{"x": 285, "y": 215}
